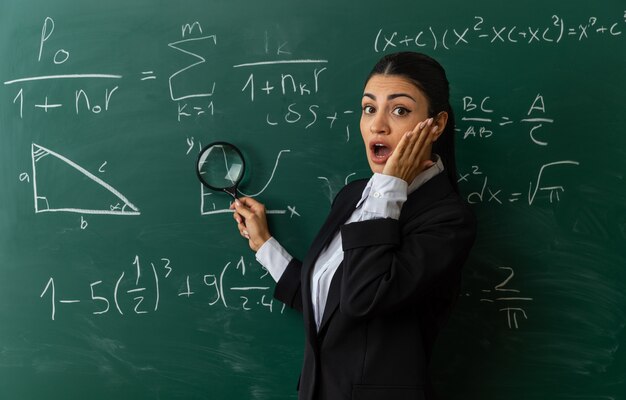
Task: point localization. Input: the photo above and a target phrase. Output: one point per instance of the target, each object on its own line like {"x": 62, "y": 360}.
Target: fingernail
{"x": 237, "y": 202}
{"x": 429, "y": 121}
{"x": 422, "y": 124}
{"x": 435, "y": 127}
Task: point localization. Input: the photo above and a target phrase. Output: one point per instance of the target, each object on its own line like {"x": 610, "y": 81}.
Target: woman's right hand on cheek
{"x": 251, "y": 221}
{"x": 410, "y": 157}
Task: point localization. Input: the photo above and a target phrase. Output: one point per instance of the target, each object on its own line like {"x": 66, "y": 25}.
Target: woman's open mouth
{"x": 380, "y": 152}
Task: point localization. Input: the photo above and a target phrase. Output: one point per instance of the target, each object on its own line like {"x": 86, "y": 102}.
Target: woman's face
{"x": 392, "y": 106}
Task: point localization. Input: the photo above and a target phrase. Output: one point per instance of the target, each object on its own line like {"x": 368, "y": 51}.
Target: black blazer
{"x": 388, "y": 299}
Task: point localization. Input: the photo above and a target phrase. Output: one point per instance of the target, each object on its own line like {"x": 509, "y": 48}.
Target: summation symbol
{"x": 200, "y": 60}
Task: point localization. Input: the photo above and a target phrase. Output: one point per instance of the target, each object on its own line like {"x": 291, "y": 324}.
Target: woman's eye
{"x": 401, "y": 111}
{"x": 368, "y": 110}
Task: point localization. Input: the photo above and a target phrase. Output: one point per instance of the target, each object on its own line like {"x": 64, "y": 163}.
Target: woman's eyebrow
{"x": 390, "y": 97}
{"x": 396, "y": 95}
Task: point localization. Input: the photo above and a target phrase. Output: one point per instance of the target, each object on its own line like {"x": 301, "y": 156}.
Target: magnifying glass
{"x": 220, "y": 167}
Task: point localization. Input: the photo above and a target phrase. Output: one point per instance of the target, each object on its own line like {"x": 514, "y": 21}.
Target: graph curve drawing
{"x": 206, "y": 209}
{"x": 67, "y": 183}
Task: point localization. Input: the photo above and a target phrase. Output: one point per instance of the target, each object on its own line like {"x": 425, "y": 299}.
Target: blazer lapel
{"x": 339, "y": 213}
{"x": 332, "y": 301}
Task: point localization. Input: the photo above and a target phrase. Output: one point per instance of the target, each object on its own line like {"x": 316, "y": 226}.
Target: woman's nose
{"x": 379, "y": 125}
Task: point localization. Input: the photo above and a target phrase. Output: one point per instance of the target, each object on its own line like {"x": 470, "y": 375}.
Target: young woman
{"x": 382, "y": 274}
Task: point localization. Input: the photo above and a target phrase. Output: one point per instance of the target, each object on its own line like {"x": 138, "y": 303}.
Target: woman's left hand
{"x": 411, "y": 155}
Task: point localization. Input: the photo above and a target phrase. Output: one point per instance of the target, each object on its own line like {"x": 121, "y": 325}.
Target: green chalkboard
{"x": 121, "y": 278}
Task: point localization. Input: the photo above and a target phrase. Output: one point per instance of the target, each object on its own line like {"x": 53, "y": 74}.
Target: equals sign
{"x": 514, "y": 197}
{"x": 148, "y": 75}
{"x": 506, "y": 121}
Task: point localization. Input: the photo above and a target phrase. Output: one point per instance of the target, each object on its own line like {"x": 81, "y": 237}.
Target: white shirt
{"x": 383, "y": 197}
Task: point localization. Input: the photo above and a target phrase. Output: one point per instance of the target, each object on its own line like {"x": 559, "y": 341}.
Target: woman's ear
{"x": 440, "y": 120}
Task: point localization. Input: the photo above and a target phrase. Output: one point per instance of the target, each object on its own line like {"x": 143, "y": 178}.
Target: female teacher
{"x": 381, "y": 276}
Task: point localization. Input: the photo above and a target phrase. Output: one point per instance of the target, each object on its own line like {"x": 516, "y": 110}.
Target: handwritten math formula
{"x": 83, "y": 100}
{"x": 479, "y": 121}
{"x": 194, "y": 97}
{"x": 508, "y": 301}
{"x": 140, "y": 290}
{"x": 556, "y": 30}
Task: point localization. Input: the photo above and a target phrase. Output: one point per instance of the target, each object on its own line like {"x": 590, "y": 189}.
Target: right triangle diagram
{"x": 61, "y": 185}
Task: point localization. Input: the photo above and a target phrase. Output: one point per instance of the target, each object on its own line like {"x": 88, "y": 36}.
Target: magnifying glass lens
{"x": 221, "y": 167}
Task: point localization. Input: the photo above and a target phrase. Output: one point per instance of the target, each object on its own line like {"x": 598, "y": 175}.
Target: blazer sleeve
{"x": 289, "y": 288}
{"x": 387, "y": 265}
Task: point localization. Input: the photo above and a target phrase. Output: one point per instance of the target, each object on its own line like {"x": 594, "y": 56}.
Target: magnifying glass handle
{"x": 231, "y": 191}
